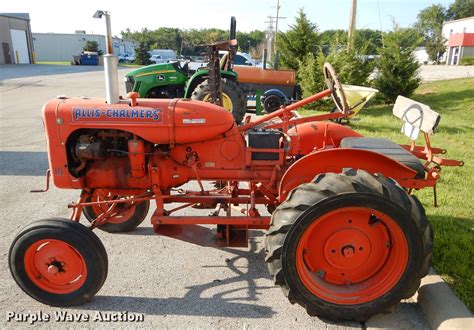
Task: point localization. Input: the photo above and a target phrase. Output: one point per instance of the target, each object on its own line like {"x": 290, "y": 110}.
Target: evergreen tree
{"x": 298, "y": 41}
{"x": 141, "y": 54}
{"x": 91, "y": 46}
{"x": 397, "y": 66}
{"x": 351, "y": 68}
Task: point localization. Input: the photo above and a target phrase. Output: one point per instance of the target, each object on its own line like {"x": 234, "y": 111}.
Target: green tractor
{"x": 175, "y": 80}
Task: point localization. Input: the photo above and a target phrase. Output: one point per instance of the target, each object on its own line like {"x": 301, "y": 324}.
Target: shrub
{"x": 397, "y": 66}
{"x": 469, "y": 60}
{"x": 351, "y": 69}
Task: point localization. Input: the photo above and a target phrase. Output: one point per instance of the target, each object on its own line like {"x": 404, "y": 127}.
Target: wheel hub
{"x": 226, "y": 101}
{"x": 55, "y": 266}
{"x": 347, "y": 250}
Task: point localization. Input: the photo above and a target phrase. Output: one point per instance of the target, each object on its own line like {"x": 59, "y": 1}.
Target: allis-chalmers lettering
{"x": 84, "y": 113}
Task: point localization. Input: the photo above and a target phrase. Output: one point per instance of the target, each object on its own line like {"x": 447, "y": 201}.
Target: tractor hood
{"x": 151, "y": 69}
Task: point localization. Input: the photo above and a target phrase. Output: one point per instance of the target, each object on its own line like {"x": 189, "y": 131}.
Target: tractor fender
{"x": 277, "y": 92}
{"x": 335, "y": 160}
{"x": 200, "y": 76}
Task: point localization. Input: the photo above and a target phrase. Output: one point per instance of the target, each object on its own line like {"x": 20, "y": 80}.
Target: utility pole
{"x": 270, "y": 38}
{"x": 277, "y": 17}
{"x": 276, "y": 24}
{"x": 352, "y": 24}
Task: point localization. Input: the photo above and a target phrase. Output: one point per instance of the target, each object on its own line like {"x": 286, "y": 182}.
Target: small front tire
{"x": 58, "y": 262}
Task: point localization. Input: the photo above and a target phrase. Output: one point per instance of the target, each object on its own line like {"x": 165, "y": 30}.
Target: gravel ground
{"x": 170, "y": 282}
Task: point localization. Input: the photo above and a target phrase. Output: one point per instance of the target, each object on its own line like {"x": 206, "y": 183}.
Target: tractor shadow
{"x": 23, "y": 163}
{"x": 196, "y": 302}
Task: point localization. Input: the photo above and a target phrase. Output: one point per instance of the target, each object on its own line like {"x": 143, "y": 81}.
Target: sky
{"x": 66, "y": 16}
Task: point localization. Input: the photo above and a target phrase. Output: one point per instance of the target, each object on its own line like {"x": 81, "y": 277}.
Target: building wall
{"x": 5, "y": 37}
{"x": 464, "y": 25}
{"x": 421, "y": 55}
{"x": 62, "y": 47}
{"x": 8, "y": 23}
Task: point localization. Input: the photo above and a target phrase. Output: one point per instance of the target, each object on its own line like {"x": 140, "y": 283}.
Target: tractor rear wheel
{"x": 58, "y": 262}
{"x": 348, "y": 246}
{"x": 129, "y": 215}
{"x": 233, "y": 99}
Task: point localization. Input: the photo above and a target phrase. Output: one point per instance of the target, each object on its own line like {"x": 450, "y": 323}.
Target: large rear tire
{"x": 58, "y": 262}
{"x": 234, "y": 99}
{"x": 348, "y": 246}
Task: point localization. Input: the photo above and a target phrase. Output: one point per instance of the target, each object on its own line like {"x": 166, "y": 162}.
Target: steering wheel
{"x": 337, "y": 92}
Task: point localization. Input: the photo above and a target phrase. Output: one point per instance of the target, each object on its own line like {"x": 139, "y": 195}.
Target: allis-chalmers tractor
{"x": 345, "y": 240}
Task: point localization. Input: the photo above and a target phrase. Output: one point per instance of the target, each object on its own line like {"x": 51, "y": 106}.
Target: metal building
{"x": 63, "y": 46}
{"x": 15, "y": 39}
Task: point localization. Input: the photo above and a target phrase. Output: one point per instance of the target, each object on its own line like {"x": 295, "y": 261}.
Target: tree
{"x": 91, "y": 46}
{"x": 351, "y": 68}
{"x": 167, "y": 38}
{"x": 298, "y": 41}
{"x": 141, "y": 54}
{"x": 461, "y": 9}
{"x": 397, "y": 65}
{"x": 368, "y": 39}
{"x": 247, "y": 40}
{"x": 430, "y": 25}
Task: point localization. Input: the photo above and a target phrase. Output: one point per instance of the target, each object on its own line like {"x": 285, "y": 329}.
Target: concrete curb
{"x": 442, "y": 309}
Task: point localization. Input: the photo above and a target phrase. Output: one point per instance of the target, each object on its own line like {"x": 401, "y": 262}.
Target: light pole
{"x": 110, "y": 62}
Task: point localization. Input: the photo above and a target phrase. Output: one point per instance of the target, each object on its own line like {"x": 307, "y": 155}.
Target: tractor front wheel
{"x": 128, "y": 215}
{"x": 348, "y": 246}
{"x": 58, "y": 262}
{"x": 233, "y": 99}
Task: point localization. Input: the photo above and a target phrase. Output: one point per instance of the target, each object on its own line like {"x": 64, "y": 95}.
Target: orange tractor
{"x": 345, "y": 239}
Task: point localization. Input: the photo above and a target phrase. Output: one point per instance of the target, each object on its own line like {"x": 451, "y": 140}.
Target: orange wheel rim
{"x": 124, "y": 210}
{"x": 351, "y": 255}
{"x": 55, "y": 266}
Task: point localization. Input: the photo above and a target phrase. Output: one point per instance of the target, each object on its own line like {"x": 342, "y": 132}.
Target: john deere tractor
{"x": 175, "y": 80}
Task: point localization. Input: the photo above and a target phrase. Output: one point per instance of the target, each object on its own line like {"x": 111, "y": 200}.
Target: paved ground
{"x": 171, "y": 282}
{"x": 442, "y": 72}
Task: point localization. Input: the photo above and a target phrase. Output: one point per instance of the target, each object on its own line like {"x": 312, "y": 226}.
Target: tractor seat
{"x": 387, "y": 148}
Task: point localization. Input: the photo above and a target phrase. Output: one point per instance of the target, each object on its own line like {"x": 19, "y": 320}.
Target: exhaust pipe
{"x": 110, "y": 62}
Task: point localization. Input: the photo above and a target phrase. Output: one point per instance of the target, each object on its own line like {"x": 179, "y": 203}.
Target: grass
{"x": 453, "y": 219}
{"x": 55, "y": 62}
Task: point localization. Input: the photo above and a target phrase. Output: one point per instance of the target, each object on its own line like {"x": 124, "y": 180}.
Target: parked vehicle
{"x": 240, "y": 58}
{"x": 176, "y": 80}
{"x": 126, "y": 58}
{"x": 191, "y": 80}
{"x": 162, "y": 55}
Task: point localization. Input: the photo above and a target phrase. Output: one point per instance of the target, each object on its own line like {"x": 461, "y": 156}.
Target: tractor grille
{"x": 129, "y": 84}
